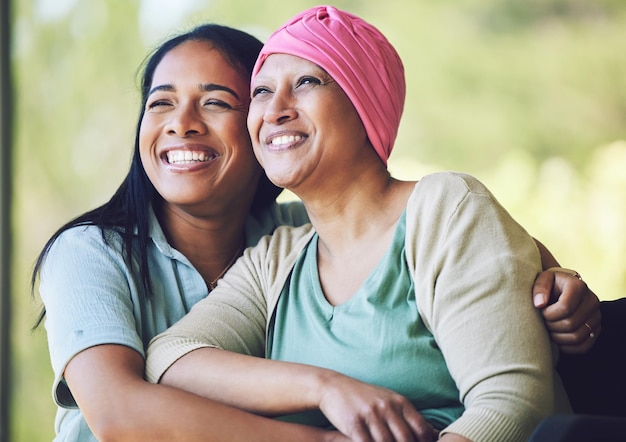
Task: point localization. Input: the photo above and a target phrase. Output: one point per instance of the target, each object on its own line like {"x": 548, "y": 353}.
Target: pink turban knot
{"x": 360, "y": 60}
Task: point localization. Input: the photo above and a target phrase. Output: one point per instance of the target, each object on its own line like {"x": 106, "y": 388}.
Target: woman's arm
{"x": 268, "y": 387}
{"x": 118, "y": 404}
{"x": 96, "y": 353}
{"x": 473, "y": 268}
{"x": 233, "y": 318}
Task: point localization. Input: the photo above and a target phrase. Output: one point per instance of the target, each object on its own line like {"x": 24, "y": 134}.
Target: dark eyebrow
{"x": 203, "y": 87}
{"x": 217, "y": 87}
{"x": 163, "y": 87}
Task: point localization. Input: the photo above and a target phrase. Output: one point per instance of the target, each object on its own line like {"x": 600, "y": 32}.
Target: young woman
{"x": 113, "y": 278}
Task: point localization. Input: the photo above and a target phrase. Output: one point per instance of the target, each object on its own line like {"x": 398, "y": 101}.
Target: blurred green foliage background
{"x": 528, "y": 96}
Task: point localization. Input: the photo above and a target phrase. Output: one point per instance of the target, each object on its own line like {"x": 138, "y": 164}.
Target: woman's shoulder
{"x": 452, "y": 181}
{"x": 280, "y": 250}
{"x": 87, "y": 238}
{"x": 438, "y": 197}
{"x": 90, "y": 232}
{"x": 83, "y": 253}
{"x": 452, "y": 187}
{"x": 285, "y": 240}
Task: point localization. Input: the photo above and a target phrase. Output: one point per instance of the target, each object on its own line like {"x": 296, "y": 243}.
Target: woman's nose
{"x": 280, "y": 109}
{"x": 186, "y": 121}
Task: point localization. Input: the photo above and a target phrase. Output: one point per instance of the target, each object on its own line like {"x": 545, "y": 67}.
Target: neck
{"x": 355, "y": 230}
{"x": 211, "y": 243}
{"x": 355, "y": 207}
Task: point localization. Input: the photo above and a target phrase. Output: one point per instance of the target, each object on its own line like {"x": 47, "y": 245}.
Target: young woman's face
{"x": 193, "y": 140}
{"x": 302, "y": 124}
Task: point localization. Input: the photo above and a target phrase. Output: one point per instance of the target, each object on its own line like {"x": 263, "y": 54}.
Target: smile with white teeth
{"x": 285, "y": 139}
{"x": 187, "y": 156}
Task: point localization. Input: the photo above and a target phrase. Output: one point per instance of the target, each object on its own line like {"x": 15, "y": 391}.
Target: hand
{"x": 570, "y": 309}
{"x": 365, "y": 412}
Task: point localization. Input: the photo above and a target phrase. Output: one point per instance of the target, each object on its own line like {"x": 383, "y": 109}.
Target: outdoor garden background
{"x": 529, "y": 96}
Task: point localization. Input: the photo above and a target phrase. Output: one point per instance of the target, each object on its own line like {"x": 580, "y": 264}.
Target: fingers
{"x": 572, "y": 315}
{"x": 366, "y": 413}
{"x": 569, "y": 314}
{"x": 568, "y": 297}
{"x": 542, "y": 289}
{"x": 406, "y": 424}
{"x": 576, "y": 339}
{"x": 377, "y": 425}
{"x": 393, "y": 421}
{"x": 360, "y": 432}
{"x": 421, "y": 429}
{"x": 389, "y": 420}
{"x": 570, "y": 309}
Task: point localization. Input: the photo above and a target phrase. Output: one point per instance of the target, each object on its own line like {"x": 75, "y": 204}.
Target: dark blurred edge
{"x": 6, "y": 130}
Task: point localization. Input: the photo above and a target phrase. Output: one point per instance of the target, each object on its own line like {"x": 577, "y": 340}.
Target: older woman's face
{"x": 300, "y": 118}
{"x": 193, "y": 140}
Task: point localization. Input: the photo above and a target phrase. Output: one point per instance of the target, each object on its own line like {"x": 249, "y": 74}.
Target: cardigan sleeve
{"x": 474, "y": 268}
{"x": 234, "y": 316}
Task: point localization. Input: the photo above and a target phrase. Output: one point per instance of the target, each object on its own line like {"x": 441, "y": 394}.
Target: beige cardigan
{"x": 473, "y": 270}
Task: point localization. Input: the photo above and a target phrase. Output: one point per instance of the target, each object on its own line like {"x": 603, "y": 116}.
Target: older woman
{"x": 417, "y": 289}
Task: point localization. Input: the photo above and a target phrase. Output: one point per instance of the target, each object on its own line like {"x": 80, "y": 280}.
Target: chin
{"x": 284, "y": 175}
{"x": 278, "y": 179}
{"x": 280, "y": 183}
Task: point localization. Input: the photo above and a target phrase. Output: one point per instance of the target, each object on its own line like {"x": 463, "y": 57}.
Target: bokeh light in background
{"x": 528, "y": 96}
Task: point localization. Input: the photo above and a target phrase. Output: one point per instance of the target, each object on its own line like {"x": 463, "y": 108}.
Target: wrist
{"x": 324, "y": 382}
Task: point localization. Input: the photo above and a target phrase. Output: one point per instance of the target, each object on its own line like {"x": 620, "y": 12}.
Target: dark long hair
{"x": 128, "y": 211}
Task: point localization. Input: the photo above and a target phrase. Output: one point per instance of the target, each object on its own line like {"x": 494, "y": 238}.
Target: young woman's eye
{"x": 219, "y": 104}
{"x": 158, "y": 104}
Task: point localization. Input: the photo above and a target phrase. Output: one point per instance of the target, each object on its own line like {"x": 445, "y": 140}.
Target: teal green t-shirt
{"x": 377, "y": 336}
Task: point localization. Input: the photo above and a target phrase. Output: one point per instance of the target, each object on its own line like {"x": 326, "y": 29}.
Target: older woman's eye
{"x": 259, "y": 90}
{"x": 309, "y": 80}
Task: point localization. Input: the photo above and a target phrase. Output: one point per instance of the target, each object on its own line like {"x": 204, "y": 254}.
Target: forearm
{"x": 164, "y": 413}
{"x": 118, "y": 404}
{"x": 273, "y": 387}
{"x": 255, "y": 384}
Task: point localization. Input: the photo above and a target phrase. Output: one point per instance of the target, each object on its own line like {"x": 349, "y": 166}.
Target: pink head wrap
{"x": 360, "y": 60}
